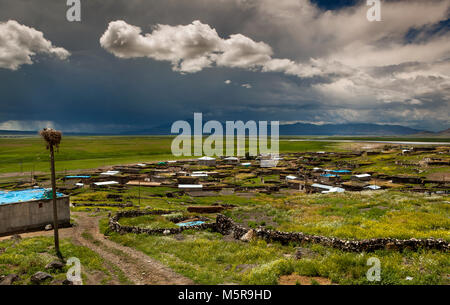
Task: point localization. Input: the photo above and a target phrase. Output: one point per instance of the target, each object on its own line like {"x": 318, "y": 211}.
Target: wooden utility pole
{"x": 53, "y": 138}
{"x": 32, "y": 174}
{"x": 55, "y": 207}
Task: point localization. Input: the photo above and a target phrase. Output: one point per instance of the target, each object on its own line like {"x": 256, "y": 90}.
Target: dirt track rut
{"x": 138, "y": 268}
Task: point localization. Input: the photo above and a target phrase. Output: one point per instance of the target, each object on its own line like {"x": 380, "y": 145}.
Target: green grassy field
{"x": 29, "y": 154}
{"x": 210, "y": 258}
{"x": 26, "y": 154}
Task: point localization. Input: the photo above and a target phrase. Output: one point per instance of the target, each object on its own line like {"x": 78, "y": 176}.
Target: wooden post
{"x": 55, "y": 209}
{"x": 53, "y": 138}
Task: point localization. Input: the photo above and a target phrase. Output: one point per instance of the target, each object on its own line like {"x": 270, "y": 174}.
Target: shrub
{"x": 268, "y": 274}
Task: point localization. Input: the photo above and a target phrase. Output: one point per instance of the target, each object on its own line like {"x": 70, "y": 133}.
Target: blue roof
{"x": 329, "y": 175}
{"x": 190, "y": 224}
{"x": 26, "y": 195}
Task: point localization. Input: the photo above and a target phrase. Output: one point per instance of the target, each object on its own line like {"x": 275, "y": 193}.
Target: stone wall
{"x": 115, "y": 205}
{"x": 115, "y": 226}
{"x": 225, "y": 225}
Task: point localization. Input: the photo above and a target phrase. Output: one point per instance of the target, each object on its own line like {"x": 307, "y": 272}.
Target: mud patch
{"x": 439, "y": 176}
{"x": 295, "y": 279}
{"x": 255, "y": 218}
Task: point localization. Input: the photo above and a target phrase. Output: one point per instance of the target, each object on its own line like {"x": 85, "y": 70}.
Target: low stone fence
{"x": 137, "y": 213}
{"x": 115, "y": 226}
{"x": 111, "y": 205}
{"x": 225, "y": 225}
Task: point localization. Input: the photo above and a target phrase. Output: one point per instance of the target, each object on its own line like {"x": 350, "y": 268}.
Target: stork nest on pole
{"x": 51, "y": 136}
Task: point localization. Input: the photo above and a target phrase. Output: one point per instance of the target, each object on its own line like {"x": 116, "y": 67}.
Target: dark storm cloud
{"x": 363, "y": 71}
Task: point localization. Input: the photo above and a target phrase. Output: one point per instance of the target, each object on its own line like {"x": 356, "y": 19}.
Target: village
{"x": 304, "y": 172}
{"x": 232, "y": 196}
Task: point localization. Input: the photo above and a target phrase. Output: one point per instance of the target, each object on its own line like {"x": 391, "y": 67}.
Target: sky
{"x": 135, "y": 64}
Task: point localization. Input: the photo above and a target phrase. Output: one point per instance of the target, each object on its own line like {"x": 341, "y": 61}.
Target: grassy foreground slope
{"x": 24, "y": 257}
{"x": 210, "y": 258}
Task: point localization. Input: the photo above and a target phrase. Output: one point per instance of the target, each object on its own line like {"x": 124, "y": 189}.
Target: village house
{"x": 361, "y": 177}
{"x": 206, "y": 161}
{"x": 231, "y": 160}
{"x": 324, "y": 189}
{"x": 31, "y": 209}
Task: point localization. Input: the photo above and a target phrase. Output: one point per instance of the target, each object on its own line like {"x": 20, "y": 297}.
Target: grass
{"x": 24, "y": 154}
{"x": 207, "y": 258}
{"x": 424, "y": 267}
{"x": 75, "y": 153}
{"x": 385, "y": 164}
{"x": 148, "y": 221}
{"x": 354, "y": 215}
{"x": 119, "y": 273}
{"x": 30, "y": 255}
{"x": 202, "y": 256}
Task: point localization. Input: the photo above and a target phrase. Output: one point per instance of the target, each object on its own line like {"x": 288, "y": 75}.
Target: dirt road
{"x": 138, "y": 268}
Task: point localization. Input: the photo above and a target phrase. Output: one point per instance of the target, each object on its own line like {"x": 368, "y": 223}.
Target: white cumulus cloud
{"x": 19, "y": 43}
{"x": 193, "y": 47}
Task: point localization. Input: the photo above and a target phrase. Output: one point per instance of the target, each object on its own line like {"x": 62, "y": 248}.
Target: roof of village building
{"x": 328, "y": 188}
{"x": 373, "y": 187}
{"x": 106, "y": 183}
{"x": 362, "y": 175}
{"x": 109, "y": 173}
{"x": 190, "y": 186}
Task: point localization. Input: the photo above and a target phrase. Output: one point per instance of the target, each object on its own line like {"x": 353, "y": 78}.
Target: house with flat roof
{"x": 31, "y": 209}
{"x": 207, "y": 161}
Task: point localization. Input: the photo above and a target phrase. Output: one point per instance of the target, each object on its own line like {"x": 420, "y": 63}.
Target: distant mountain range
{"x": 350, "y": 129}
{"x": 299, "y": 129}
{"x": 440, "y": 134}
